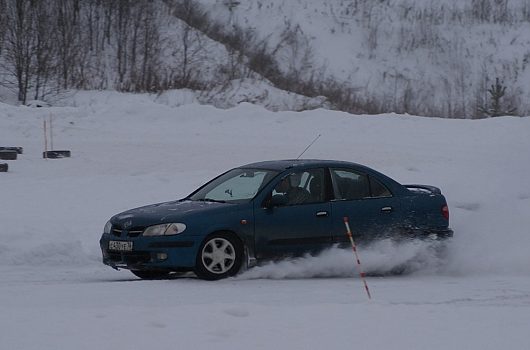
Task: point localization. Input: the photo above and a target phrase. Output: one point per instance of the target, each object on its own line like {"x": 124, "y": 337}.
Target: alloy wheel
{"x": 218, "y": 255}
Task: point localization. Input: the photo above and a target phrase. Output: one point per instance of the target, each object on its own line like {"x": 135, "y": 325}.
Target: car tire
{"x": 56, "y": 154}
{"x": 151, "y": 275}
{"x": 3, "y": 167}
{"x": 19, "y": 150}
{"x": 8, "y": 155}
{"x": 220, "y": 255}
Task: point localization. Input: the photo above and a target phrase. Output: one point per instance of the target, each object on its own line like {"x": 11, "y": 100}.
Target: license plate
{"x": 122, "y": 246}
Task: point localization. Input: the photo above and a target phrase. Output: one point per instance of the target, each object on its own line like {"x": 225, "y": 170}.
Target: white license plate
{"x": 122, "y": 246}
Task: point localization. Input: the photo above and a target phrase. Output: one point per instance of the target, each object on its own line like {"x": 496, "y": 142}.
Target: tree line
{"x": 47, "y": 46}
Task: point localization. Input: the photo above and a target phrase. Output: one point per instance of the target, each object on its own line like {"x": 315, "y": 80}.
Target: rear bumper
{"x": 442, "y": 233}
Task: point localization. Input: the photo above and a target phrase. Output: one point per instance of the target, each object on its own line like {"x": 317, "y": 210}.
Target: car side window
{"x": 300, "y": 188}
{"x": 378, "y": 189}
{"x": 349, "y": 185}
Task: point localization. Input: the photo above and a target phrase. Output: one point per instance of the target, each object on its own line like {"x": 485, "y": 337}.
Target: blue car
{"x": 270, "y": 210}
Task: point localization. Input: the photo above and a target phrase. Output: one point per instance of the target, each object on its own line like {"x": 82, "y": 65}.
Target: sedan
{"x": 270, "y": 210}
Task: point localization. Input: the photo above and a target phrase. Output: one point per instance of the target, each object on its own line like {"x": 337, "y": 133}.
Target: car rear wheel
{"x": 220, "y": 256}
{"x": 151, "y": 275}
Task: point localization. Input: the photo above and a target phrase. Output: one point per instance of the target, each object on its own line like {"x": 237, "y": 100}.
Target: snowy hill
{"x": 404, "y": 56}
{"x": 129, "y": 150}
{"x": 415, "y": 56}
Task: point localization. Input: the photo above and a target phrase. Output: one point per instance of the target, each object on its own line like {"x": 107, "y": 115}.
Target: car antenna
{"x": 311, "y": 144}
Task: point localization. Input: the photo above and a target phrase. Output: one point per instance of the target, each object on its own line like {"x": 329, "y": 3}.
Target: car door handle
{"x": 322, "y": 213}
{"x": 386, "y": 209}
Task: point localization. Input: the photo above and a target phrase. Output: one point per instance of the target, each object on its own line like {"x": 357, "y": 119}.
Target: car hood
{"x": 175, "y": 211}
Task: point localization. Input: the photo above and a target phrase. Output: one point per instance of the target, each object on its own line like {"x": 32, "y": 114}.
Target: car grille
{"x": 132, "y": 232}
{"x": 129, "y": 258}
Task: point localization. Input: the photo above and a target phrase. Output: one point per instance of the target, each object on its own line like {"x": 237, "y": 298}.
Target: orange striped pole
{"x": 354, "y": 247}
{"x": 45, "y": 154}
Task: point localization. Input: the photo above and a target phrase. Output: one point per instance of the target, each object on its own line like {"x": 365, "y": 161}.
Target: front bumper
{"x": 173, "y": 253}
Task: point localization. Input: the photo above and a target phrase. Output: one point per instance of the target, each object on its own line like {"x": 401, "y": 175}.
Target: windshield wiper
{"x": 211, "y": 200}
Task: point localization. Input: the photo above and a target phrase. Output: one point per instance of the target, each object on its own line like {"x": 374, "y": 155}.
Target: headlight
{"x": 108, "y": 227}
{"x": 164, "y": 229}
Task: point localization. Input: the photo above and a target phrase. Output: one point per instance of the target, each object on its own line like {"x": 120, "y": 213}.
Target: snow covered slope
{"x": 431, "y": 57}
{"x": 130, "y": 150}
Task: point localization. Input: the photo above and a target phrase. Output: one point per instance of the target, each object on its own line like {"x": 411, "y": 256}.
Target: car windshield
{"x": 236, "y": 186}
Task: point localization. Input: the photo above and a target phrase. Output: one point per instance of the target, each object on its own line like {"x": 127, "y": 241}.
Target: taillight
{"x": 445, "y": 212}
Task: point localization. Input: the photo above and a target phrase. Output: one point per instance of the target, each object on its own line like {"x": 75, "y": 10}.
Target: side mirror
{"x": 278, "y": 200}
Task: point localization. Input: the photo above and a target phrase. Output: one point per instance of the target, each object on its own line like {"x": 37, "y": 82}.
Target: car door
{"x": 371, "y": 208}
{"x": 292, "y": 226}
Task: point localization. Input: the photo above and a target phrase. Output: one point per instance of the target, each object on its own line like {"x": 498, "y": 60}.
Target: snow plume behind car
{"x": 380, "y": 258}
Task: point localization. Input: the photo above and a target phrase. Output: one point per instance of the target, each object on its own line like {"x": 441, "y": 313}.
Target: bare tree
{"x": 3, "y": 23}
{"x": 150, "y": 52}
{"x": 67, "y": 38}
{"x": 122, "y": 38}
{"x": 191, "y": 48}
{"x": 19, "y": 44}
{"x": 44, "y": 49}
{"x": 92, "y": 12}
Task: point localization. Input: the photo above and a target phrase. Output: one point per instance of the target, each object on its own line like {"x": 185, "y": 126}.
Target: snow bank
{"x": 260, "y": 93}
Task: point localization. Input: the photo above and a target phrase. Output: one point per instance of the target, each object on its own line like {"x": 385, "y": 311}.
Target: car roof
{"x": 285, "y": 164}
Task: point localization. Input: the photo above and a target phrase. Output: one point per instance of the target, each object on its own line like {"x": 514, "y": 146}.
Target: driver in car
{"x": 290, "y": 187}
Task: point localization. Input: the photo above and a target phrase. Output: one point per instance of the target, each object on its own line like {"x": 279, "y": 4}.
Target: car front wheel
{"x": 220, "y": 256}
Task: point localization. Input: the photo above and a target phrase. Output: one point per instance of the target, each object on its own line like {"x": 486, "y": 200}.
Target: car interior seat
{"x": 316, "y": 189}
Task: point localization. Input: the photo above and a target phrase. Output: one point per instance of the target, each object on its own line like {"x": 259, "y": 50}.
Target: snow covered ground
{"x": 130, "y": 150}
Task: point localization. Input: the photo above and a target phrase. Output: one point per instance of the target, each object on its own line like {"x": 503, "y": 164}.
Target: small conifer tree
{"x": 496, "y": 92}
